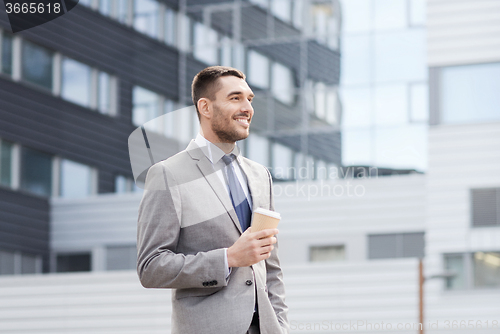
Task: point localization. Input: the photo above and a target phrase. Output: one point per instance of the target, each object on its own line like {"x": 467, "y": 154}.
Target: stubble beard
{"x": 224, "y": 131}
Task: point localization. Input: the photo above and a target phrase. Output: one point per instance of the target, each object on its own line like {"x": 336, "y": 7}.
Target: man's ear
{"x": 204, "y": 107}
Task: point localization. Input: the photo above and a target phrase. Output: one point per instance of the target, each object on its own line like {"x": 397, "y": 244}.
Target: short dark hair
{"x": 205, "y": 83}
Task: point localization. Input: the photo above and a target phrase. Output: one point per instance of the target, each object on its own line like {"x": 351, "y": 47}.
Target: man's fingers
{"x": 267, "y": 241}
{"x": 266, "y": 233}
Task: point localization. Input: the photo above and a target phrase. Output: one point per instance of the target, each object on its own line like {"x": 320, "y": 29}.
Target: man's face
{"x": 232, "y": 109}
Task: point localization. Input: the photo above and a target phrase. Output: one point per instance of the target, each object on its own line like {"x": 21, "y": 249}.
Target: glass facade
{"x": 37, "y": 65}
{"x": 384, "y": 89}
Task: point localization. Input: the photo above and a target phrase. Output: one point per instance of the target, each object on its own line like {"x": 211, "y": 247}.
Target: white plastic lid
{"x": 269, "y": 213}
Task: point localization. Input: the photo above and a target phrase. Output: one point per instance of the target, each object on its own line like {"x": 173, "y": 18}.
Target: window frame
{"x": 468, "y": 265}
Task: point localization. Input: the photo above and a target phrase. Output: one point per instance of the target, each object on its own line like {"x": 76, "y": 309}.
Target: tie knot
{"x": 228, "y": 159}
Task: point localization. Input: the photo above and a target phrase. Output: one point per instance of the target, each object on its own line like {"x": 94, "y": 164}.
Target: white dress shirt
{"x": 215, "y": 154}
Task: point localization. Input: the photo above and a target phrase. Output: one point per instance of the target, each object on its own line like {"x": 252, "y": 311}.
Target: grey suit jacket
{"x": 186, "y": 219}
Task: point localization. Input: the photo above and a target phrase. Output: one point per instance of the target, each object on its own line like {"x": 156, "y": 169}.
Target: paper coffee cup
{"x": 264, "y": 219}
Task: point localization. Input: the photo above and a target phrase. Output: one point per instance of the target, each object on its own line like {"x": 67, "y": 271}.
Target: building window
{"x": 226, "y": 51}
{"x": 37, "y": 65}
{"x": 145, "y": 107}
{"x": 29, "y": 264}
{"x": 106, "y": 7}
{"x": 397, "y": 245}
{"x": 282, "y": 9}
{"x": 261, "y": 3}
{"x": 298, "y": 13}
{"x": 121, "y": 257}
{"x": 76, "y": 180}
{"x": 17, "y": 263}
{"x": 170, "y": 26}
{"x": 419, "y": 102}
{"x": 282, "y": 85}
{"x": 417, "y": 12}
{"x": 455, "y": 263}
{"x": 6, "y": 158}
{"x": 6, "y": 56}
{"x": 126, "y": 185}
{"x": 105, "y": 94}
{"x": 330, "y": 253}
{"x": 205, "y": 46}
{"x": 146, "y": 14}
{"x": 486, "y": 266}
{"x": 169, "y": 119}
{"x": 258, "y": 149}
{"x": 485, "y": 207}
{"x": 473, "y": 270}
{"x": 390, "y": 14}
{"x": 470, "y": 93}
{"x": 87, "y": 3}
{"x": 123, "y": 11}
{"x": 76, "y": 78}
{"x": 148, "y": 106}
{"x": 73, "y": 262}
{"x": 282, "y": 162}
{"x": 258, "y": 70}
{"x": 325, "y": 103}
{"x": 325, "y": 24}
{"x": 36, "y": 172}
{"x": 7, "y": 263}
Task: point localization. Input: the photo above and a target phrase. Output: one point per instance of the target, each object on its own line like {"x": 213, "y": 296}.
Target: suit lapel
{"x": 213, "y": 180}
{"x": 253, "y": 183}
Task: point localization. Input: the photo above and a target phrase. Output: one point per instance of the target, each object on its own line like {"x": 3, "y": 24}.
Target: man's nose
{"x": 247, "y": 106}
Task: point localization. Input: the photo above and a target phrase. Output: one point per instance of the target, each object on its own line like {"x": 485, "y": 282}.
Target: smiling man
{"x": 194, "y": 227}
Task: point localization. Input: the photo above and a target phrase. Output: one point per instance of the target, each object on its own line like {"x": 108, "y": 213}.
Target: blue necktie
{"x": 238, "y": 198}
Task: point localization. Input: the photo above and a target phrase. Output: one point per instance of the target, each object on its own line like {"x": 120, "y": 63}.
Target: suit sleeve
{"x": 275, "y": 285}
{"x": 158, "y": 231}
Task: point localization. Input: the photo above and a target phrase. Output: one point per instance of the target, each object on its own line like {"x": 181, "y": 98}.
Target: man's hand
{"x": 251, "y": 248}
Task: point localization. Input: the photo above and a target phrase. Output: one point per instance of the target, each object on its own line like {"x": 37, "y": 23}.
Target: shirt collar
{"x": 212, "y": 151}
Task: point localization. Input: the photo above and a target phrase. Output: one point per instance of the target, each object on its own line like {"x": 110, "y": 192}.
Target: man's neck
{"x": 225, "y": 147}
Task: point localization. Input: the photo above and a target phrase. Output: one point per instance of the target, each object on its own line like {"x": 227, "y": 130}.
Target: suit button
{"x": 248, "y": 282}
